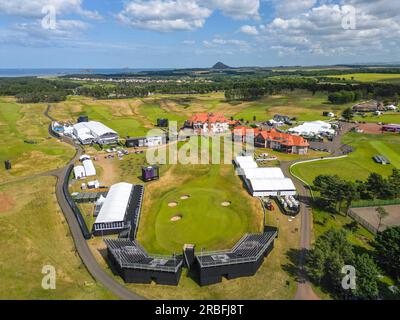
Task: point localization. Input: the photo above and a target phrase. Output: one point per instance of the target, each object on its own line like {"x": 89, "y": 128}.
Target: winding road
{"x": 304, "y": 287}
{"x": 81, "y": 245}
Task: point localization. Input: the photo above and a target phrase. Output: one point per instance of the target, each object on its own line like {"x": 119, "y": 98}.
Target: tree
{"x": 382, "y": 214}
{"x": 348, "y": 114}
{"x": 387, "y": 246}
{"x": 367, "y": 273}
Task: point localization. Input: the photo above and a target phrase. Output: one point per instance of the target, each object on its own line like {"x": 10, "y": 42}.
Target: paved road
{"x": 304, "y": 288}
{"x": 81, "y": 245}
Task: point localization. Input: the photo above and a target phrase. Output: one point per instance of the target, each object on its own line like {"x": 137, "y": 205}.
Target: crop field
{"x": 34, "y": 233}
{"x": 25, "y": 141}
{"x": 359, "y": 164}
{"x": 370, "y": 77}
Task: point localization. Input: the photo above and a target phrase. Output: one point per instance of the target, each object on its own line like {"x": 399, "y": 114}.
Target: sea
{"x": 57, "y": 72}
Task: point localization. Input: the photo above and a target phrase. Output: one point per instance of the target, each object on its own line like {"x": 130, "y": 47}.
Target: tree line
{"x": 336, "y": 194}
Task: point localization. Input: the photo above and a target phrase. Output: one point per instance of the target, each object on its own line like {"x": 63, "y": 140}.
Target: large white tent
{"x": 245, "y": 162}
{"x": 263, "y": 173}
{"x": 264, "y": 182}
{"x": 94, "y": 131}
{"x": 116, "y": 204}
{"x": 90, "y": 170}
{"x": 272, "y": 187}
{"x": 313, "y": 128}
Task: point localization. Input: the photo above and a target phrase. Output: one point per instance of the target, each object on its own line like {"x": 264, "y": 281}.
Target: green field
{"x": 370, "y": 77}
{"x": 387, "y": 117}
{"x": 20, "y": 124}
{"x": 34, "y": 233}
{"x": 359, "y": 164}
{"x": 205, "y": 222}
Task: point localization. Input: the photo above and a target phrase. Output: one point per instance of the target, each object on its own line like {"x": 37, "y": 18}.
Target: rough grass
{"x": 34, "y": 233}
{"x": 27, "y": 122}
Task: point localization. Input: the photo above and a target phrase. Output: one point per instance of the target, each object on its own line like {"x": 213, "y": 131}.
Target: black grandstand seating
{"x": 136, "y": 266}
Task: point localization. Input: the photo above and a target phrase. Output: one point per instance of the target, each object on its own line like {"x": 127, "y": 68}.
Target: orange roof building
{"x": 208, "y": 123}
{"x": 280, "y": 141}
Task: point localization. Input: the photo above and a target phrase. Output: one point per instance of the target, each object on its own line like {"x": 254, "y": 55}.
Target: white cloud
{"x": 164, "y": 15}
{"x": 319, "y": 31}
{"x": 249, "y": 30}
{"x": 183, "y": 15}
{"x": 237, "y": 9}
{"x": 33, "y": 8}
{"x": 287, "y": 8}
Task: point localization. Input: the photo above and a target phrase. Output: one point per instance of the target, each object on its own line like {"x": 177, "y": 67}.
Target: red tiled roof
{"x": 208, "y": 117}
{"x": 284, "y": 138}
{"x": 243, "y": 130}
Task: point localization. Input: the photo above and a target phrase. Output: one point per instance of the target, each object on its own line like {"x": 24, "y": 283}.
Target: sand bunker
{"x": 226, "y": 203}
{"x": 172, "y": 204}
{"x": 185, "y": 197}
{"x": 176, "y": 218}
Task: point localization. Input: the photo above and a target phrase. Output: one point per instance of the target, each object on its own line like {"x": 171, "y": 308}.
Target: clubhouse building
{"x": 208, "y": 123}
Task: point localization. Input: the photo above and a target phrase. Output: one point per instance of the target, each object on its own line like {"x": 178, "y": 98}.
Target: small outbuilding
{"x": 79, "y": 172}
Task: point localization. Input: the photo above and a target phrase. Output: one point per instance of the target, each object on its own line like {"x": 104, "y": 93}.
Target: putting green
{"x": 205, "y": 221}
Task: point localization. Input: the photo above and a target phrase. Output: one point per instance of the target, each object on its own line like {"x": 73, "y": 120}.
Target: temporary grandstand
{"x": 136, "y": 266}
{"x": 120, "y": 211}
{"x": 93, "y": 131}
{"x": 263, "y": 182}
{"x": 243, "y": 260}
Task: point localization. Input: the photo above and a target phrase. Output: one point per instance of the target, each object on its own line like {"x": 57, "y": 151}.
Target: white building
{"x": 90, "y": 170}
{"x": 93, "y": 131}
{"x": 313, "y": 128}
{"x": 263, "y": 173}
{"x": 391, "y": 107}
{"x": 79, "y": 172}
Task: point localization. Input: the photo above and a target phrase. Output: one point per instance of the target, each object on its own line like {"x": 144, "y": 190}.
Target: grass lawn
{"x": 369, "y": 77}
{"x": 387, "y": 117}
{"x": 359, "y": 164}
{"x": 20, "y": 124}
{"x": 34, "y": 233}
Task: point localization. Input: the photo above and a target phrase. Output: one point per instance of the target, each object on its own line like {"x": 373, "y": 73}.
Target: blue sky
{"x": 197, "y": 33}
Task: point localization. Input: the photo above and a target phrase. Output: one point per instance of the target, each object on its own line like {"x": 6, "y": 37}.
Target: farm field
{"x": 25, "y": 141}
{"x": 33, "y": 234}
{"x": 370, "y": 77}
{"x": 359, "y": 164}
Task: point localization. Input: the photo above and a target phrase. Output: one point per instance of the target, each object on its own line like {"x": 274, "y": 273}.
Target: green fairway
{"x": 359, "y": 164}
{"x": 25, "y": 140}
{"x": 205, "y": 222}
{"x": 302, "y": 105}
{"x": 33, "y": 234}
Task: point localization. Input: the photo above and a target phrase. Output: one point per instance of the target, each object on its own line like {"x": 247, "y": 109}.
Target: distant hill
{"x": 220, "y": 66}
